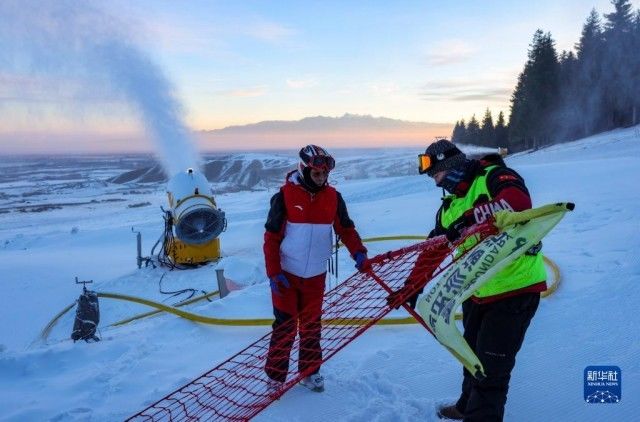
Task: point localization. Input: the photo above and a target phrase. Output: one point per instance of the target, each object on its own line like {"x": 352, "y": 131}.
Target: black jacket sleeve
{"x": 343, "y": 214}
{"x": 274, "y": 234}
{"x": 502, "y": 178}
{"x": 438, "y": 230}
{"x": 346, "y": 229}
{"x": 277, "y": 213}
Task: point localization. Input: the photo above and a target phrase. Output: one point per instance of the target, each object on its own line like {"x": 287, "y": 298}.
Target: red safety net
{"x": 238, "y": 389}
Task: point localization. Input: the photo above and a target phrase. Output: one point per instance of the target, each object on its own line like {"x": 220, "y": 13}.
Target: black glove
{"x": 533, "y": 251}
{"x": 453, "y": 232}
{"x": 414, "y": 299}
{"x": 455, "y": 229}
{"x": 394, "y": 298}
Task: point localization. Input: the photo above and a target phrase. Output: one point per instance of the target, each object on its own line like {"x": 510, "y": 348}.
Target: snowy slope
{"x": 391, "y": 373}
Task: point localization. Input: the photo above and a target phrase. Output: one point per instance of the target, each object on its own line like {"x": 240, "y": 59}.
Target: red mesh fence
{"x": 238, "y": 389}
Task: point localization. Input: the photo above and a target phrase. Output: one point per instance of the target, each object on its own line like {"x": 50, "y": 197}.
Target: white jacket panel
{"x": 305, "y": 249}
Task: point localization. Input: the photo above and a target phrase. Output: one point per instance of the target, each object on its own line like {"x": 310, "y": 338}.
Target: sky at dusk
{"x": 222, "y": 63}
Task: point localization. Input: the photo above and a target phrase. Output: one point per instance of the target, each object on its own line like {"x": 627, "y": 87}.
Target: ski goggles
{"x": 321, "y": 162}
{"x": 427, "y": 161}
{"x": 424, "y": 163}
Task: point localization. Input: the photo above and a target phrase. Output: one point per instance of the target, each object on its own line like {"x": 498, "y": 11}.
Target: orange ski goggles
{"x": 427, "y": 161}
{"x": 424, "y": 163}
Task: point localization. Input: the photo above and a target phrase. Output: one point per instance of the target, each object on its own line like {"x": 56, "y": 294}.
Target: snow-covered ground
{"x": 391, "y": 373}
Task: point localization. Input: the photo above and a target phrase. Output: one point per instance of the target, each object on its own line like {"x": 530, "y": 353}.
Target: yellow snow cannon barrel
{"x": 196, "y": 220}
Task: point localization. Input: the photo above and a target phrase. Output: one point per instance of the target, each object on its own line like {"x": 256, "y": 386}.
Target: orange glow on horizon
{"x": 126, "y": 140}
{"x": 330, "y": 139}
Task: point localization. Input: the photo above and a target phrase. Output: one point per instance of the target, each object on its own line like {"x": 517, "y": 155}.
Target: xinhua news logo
{"x": 602, "y": 384}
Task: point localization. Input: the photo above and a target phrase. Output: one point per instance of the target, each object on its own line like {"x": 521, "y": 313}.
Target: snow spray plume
{"x": 71, "y": 43}
{"x": 144, "y": 85}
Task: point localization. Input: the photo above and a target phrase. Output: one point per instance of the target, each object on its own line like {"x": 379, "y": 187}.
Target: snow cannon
{"x": 194, "y": 222}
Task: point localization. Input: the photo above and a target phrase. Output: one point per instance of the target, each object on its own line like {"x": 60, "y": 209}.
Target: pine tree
{"x": 635, "y": 69}
{"x": 568, "y": 116}
{"x": 536, "y": 95}
{"x": 487, "y": 131}
{"x": 618, "y": 86}
{"x": 456, "y": 129}
{"x": 473, "y": 132}
{"x": 519, "y": 125}
{"x": 501, "y": 135}
{"x": 621, "y": 19}
{"x": 588, "y": 80}
{"x": 462, "y": 137}
{"x": 458, "y": 133}
{"x": 576, "y": 95}
{"x": 544, "y": 86}
{"x": 591, "y": 39}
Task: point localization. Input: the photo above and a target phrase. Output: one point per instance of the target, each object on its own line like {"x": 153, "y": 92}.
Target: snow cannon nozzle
{"x": 84, "y": 283}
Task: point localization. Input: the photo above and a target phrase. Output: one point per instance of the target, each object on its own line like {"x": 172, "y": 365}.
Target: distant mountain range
{"x": 349, "y": 130}
{"x": 249, "y": 171}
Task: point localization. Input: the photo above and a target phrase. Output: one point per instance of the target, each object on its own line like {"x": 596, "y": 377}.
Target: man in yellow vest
{"x": 497, "y": 316}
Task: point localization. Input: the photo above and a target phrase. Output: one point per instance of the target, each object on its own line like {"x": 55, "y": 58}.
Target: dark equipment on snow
{"x": 139, "y": 258}
{"x": 87, "y": 315}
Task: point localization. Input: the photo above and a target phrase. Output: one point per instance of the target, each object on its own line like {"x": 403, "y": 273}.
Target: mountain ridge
{"x": 348, "y": 130}
{"x": 320, "y": 122}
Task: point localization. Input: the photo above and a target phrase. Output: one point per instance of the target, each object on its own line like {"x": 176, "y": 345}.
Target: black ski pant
{"x": 495, "y": 331}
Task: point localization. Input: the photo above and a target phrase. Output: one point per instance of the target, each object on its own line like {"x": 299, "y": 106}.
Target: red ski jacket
{"x": 298, "y": 236}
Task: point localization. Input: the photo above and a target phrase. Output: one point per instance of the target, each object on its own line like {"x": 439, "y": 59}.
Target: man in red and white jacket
{"x": 297, "y": 244}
